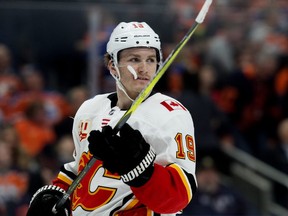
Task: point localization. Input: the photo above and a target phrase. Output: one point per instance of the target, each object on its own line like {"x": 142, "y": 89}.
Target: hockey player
{"x": 148, "y": 168}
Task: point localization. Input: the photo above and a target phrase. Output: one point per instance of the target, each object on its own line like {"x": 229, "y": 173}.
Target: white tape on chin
{"x": 132, "y": 71}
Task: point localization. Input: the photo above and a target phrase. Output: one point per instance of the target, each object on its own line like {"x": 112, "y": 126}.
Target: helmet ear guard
{"x": 133, "y": 34}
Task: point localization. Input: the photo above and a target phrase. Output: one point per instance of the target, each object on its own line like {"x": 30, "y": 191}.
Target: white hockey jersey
{"x": 167, "y": 126}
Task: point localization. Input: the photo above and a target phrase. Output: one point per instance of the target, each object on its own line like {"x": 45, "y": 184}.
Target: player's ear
{"x": 112, "y": 69}
{"x": 111, "y": 65}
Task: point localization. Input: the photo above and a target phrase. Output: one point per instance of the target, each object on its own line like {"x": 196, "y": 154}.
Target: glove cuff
{"x": 44, "y": 200}
{"x": 142, "y": 172}
{"x": 47, "y": 188}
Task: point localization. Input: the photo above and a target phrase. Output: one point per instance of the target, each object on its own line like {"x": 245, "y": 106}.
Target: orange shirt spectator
{"x": 13, "y": 183}
{"x": 281, "y": 82}
{"x": 55, "y": 104}
{"x": 33, "y": 130}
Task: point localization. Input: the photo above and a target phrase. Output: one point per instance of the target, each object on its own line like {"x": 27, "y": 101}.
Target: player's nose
{"x": 142, "y": 67}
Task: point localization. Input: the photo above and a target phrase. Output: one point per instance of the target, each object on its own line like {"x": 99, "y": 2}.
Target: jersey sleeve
{"x": 65, "y": 177}
{"x": 168, "y": 191}
{"x": 173, "y": 182}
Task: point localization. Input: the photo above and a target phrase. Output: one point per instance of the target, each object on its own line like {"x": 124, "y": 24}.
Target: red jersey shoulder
{"x": 172, "y": 105}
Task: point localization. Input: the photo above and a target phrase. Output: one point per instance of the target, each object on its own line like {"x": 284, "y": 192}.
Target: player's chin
{"x": 139, "y": 88}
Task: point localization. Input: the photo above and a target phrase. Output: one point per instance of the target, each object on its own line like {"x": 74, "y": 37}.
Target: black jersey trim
{"x": 68, "y": 173}
{"x": 113, "y": 98}
{"x": 125, "y": 200}
{"x": 192, "y": 181}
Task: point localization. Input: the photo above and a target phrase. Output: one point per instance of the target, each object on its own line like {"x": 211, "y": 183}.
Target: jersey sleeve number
{"x": 186, "y": 147}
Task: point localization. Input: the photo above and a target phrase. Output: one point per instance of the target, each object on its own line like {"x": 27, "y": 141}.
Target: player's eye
{"x": 151, "y": 60}
{"x": 134, "y": 59}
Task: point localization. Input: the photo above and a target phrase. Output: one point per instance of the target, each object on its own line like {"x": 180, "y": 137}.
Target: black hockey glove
{"x": 44, "y": 200}
{"x": 128, "y": 154}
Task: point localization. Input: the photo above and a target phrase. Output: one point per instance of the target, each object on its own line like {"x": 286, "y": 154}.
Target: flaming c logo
{"x": 83, "y": 196}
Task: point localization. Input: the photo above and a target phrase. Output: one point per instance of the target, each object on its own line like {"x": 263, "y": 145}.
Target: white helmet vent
{"x": 121, "y": 39}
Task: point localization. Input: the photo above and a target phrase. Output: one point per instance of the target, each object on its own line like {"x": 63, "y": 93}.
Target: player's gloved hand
{"x": 44, "y": 200}
{"x": 129, "y": 154}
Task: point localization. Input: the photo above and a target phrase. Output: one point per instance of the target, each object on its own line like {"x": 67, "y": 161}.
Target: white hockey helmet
{"x": 133, "y": 34}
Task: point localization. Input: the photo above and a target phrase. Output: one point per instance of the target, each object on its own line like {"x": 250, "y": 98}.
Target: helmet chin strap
{"x": 118, "y": 79}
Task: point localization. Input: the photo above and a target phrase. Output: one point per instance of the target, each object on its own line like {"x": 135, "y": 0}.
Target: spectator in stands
{"x": 220, "y": 52}
{"x": 281, "y": 83}
{"x": 277, "y": 156}
{"x": 75, "y": 97}
{"x": 55, "y": 104}
{"x": 64, "y": 149}
{"x": 34, "y": 130}
{"x": 213, "y": 197}
{"x": 9, "y": 82}
{"x": 248, "y": 97}
{"x": 13, "y": 182}
{"x": 10, "y": 136}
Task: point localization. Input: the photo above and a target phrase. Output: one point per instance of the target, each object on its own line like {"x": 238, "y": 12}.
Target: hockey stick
{"x": 140, "y": 98}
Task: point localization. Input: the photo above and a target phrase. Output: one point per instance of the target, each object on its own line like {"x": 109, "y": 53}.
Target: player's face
{"x": 144, "y": 63}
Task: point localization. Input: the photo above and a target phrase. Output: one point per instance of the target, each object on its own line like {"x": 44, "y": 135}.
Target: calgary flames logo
{"x": 84, "y": 196}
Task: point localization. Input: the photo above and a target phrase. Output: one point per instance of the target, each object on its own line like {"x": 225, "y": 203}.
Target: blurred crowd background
{"x": 232, "y": 76}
